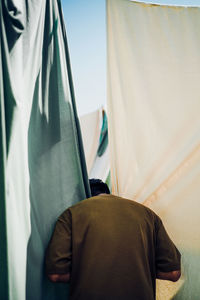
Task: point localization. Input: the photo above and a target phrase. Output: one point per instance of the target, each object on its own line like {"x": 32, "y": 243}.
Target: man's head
{"x": 98, "y": 187}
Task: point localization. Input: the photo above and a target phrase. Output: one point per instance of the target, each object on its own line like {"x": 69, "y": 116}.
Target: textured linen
{"x": 154, "y": 124}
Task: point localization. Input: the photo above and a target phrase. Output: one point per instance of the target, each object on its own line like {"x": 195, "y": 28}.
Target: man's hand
{"x": 59, "y": 277}
{"x": 172, "y": 276}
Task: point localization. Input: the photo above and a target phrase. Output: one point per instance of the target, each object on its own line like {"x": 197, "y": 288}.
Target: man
{"x": 110, "y": 248}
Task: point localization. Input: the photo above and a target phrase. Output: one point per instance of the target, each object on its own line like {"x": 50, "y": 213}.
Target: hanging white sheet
{"x": 91, "y": 124}
{"x": 154, "y": 122}
{"x": 90, "y": 128}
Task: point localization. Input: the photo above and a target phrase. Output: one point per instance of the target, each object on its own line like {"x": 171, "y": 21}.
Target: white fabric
{"x": 98, "y": 167}
{"x": 90, "y": 129}
{"x": 154, "y": 121}
{"x": 101, "y": 166}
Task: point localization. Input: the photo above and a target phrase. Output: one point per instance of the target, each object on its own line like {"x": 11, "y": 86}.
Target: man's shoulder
{"x": 111, "y": 199}
{"x": 112, "y": 205}
{"x": 140, "y": 207}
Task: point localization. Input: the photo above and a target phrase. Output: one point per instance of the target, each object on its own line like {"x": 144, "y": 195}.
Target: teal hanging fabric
{"x": 103, "y": 139}
{"x": 3, "y": 151}
{"x": 43, "y": 168}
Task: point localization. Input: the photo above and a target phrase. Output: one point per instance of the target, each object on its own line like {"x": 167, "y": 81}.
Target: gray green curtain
{"x": 103, "y": 139}
{"x": 42, "y": 169}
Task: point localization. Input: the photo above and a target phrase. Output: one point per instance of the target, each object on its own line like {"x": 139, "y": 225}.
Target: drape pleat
{"x": 43, "y": 168}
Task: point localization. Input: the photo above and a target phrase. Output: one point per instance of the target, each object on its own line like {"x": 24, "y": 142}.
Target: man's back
{"x": 116, "y": 248}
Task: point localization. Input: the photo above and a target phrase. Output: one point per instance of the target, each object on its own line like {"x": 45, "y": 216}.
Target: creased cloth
{"x": 154, "y": 124}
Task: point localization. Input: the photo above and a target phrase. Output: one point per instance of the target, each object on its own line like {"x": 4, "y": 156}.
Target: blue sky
{"x": 86, "y": 31}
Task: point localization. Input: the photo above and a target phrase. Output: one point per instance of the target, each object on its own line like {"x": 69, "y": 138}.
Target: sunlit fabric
{"x": 90, "y": 128}
{"x": 154, "y": 123}
{"x": 42, "y": 167}
{"x": 94, "y": 130}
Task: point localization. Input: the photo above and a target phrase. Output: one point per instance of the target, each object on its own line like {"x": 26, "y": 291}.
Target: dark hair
{"x": 97, "y": 187}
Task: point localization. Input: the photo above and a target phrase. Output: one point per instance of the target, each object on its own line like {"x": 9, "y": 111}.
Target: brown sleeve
{"x": 167, "y": 255}
{"x": 58, "y": 254}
